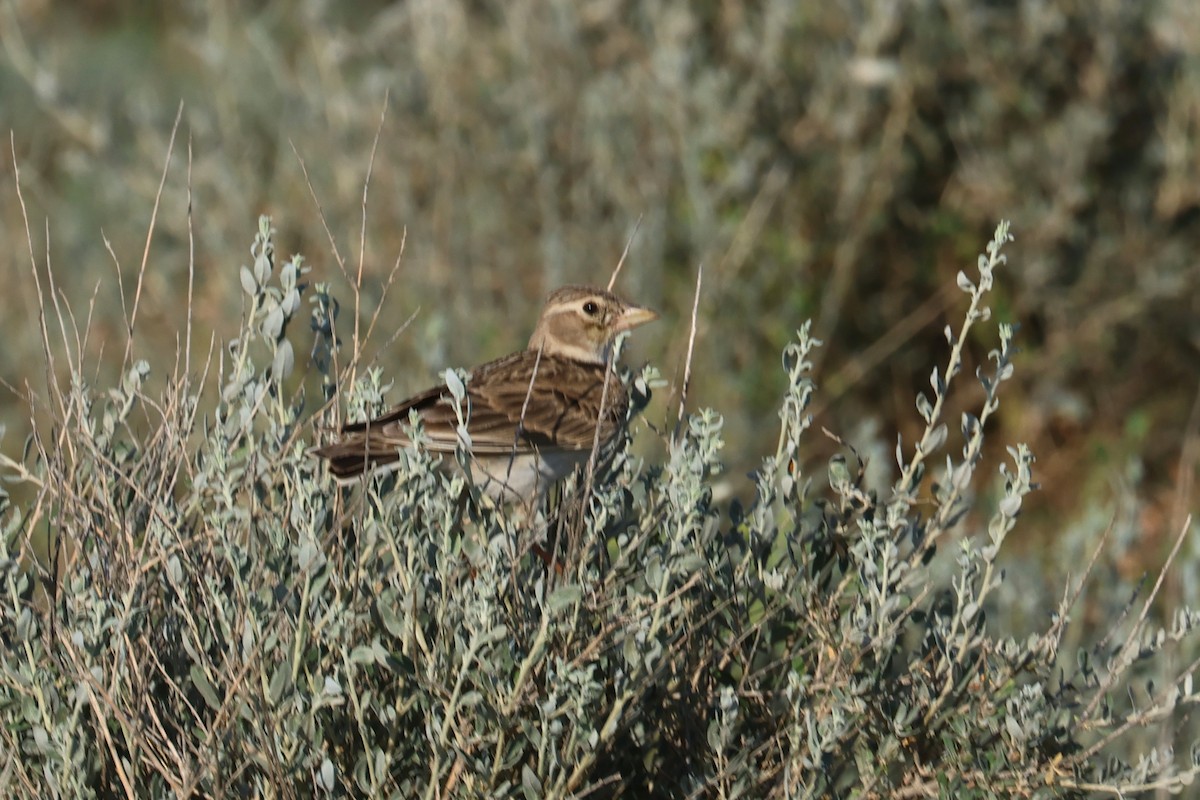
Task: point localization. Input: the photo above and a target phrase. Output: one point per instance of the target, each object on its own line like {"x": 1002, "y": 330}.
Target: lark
{"x": 530, "y": 418}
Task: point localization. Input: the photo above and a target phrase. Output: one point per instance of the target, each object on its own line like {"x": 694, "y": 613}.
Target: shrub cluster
{"x": 191, "y": 608}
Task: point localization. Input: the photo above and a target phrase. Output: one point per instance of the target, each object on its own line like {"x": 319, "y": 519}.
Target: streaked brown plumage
{"x": 531, "y": 416}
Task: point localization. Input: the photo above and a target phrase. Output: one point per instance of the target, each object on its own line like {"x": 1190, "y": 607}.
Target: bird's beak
{"x": 633, "y": 317}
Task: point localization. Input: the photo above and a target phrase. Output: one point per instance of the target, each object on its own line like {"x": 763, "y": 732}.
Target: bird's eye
{"x": 590, "y": 308}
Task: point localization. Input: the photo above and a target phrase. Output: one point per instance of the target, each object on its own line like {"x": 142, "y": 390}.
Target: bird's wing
{"x": 563, "y": 406}
{"x": 562, "y": 411}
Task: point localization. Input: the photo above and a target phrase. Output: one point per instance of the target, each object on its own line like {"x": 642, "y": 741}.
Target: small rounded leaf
{"x": 326, "y": 776}
{"x": 273, "y": 324}
{"x": 262, "y": 268}
{"x": 285, "y": 360}
{"x": 249, "y": 285}
{"x": 1010, "y": 506}
{"x": 935, "y": 439}
{"x": 455, "y": 385}
{"x": 564, "y": 597}
{"x": 309, "y": 555}
{"x": 287, "y": 276}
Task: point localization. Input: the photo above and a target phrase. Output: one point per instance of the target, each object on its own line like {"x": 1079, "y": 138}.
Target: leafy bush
{"x": 209, "y": 616}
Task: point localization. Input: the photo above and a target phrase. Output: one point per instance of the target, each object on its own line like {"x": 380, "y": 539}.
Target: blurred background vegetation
{"x": 839, "y": 161}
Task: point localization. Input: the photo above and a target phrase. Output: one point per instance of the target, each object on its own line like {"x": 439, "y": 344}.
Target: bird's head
{"x": 581, "y": 323}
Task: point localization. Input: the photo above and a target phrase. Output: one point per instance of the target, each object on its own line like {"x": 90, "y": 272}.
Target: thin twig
{"x": 187, "y": 336}
{"x": 1132, "y": 641}
{"x": 609, "y": 367}
{"x": 628, "y": 243}
{"x": 1067, "y": 605}
{"x": 137, "y": 293}
{"x": 356, "y": 351}
{"x": 896, "y": 337}
{"x": 52, "y": 388}
{"x": 395, "y": 335}
{"x": 524, "y": 408}
{"x": 117, "y": 269}
{"x": 687, "y": 366}
{"x": 337, "y": 255}
{"x": 387, "y": 285}
{"x": 1187, "y": 460}
{"x": 749, "y": 230}
{"x": 58, "y": 308}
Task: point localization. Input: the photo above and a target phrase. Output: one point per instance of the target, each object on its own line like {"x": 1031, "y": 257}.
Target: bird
{"x": 530, "y": 417}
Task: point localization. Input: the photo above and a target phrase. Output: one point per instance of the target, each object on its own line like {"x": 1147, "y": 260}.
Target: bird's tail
{"x": 355, "y": 455}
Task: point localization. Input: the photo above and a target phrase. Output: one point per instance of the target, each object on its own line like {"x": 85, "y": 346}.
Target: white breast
{"x": 526, "y": 477}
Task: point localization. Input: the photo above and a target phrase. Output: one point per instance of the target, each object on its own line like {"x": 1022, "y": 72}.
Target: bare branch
{"x": 137, "y": 293}
{"x": 628, "y": 243}
{"x": 687, "y": 364}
